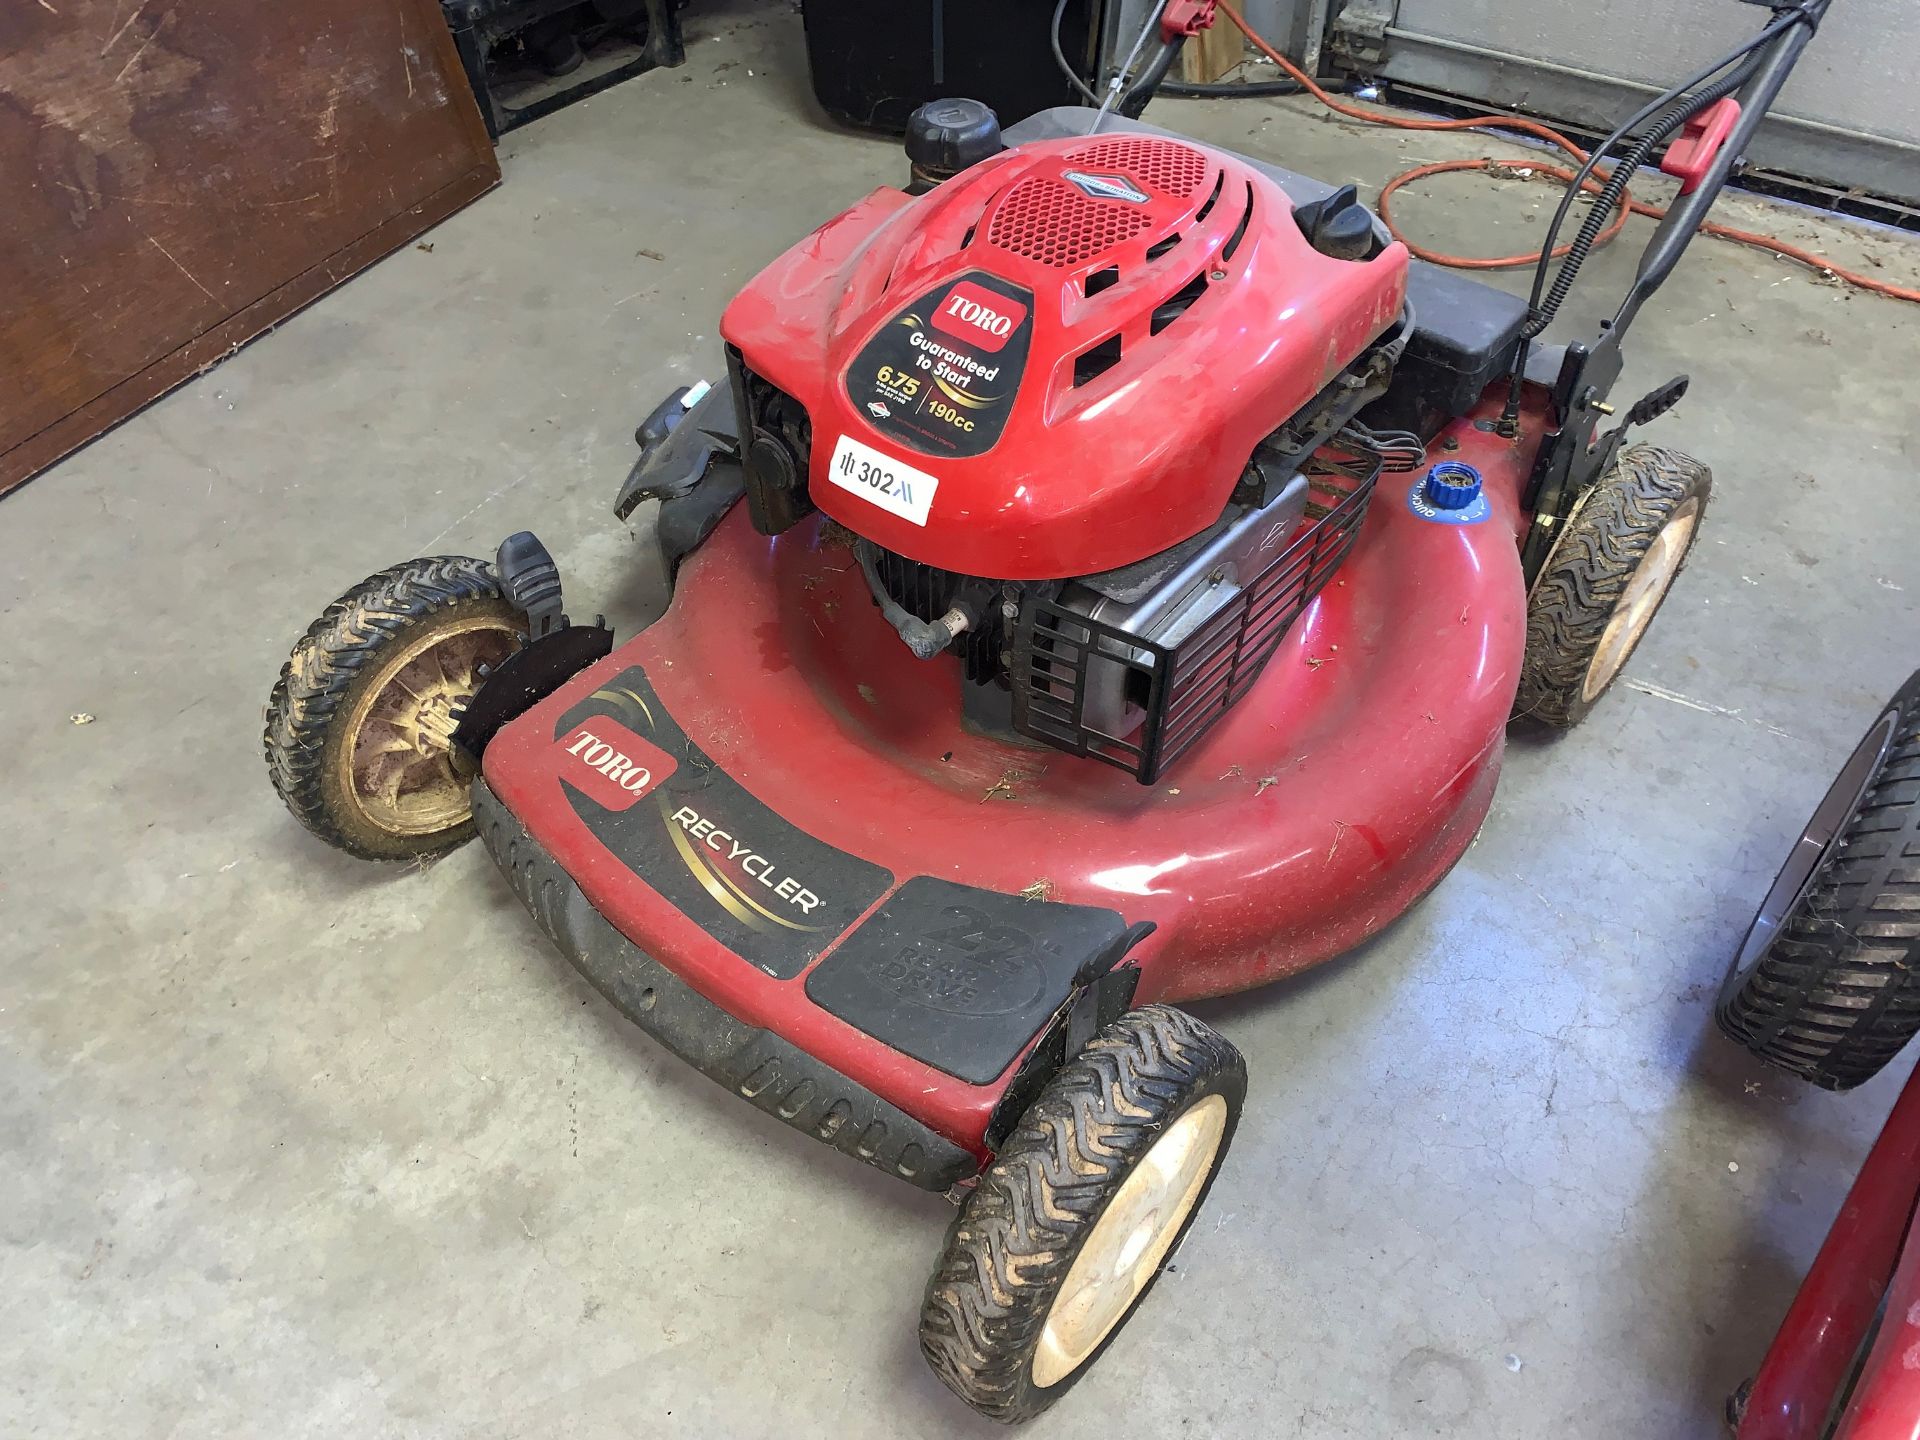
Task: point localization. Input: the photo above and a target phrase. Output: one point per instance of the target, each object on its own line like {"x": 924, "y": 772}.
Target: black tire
{"x": 1575, "y": 649}
{"x": 1011, "y": 1248}
{"x": 317, "y": 710}
{"x": 1824, "y": 983}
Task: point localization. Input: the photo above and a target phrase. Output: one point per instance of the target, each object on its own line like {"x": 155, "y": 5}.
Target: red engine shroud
{"x": 1253, "y": 322}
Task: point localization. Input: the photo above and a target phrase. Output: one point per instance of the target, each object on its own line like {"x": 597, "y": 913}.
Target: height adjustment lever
{"x": 532, "y": 582}
{"x": 1658, "y": 401}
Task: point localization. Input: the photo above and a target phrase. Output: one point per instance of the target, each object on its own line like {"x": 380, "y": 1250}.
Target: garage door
{"x": 1849, "y": 118}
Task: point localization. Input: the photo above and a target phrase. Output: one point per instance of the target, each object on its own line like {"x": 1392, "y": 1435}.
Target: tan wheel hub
{"x": 1645, "y": 589}
{"x": 1129, "y": 1241}
{"x": 405, "y": 777}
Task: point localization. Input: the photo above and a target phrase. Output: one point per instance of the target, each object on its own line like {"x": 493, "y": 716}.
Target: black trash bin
{"x": 874, "y": 62}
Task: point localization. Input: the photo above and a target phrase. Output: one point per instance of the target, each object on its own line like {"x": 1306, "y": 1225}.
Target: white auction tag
{"x": 886, "y": 482}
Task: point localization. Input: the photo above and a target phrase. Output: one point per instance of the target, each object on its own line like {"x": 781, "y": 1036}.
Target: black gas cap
{"x": 1338, "y": 225}
{"x": 944, "y": 137}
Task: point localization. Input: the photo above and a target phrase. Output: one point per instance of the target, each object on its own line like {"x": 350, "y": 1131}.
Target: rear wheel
{"x": 360, "y": 724}
{"x": 1824, "y": 984}
{"x": 1075, "y": 1219}
{"x": 1606, "y": 578}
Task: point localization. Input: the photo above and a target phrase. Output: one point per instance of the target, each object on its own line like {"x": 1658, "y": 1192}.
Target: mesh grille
{"x": 1168, "y": 167}
{"x": 1048, "y": 220}
{"x": 1182, "y": 689}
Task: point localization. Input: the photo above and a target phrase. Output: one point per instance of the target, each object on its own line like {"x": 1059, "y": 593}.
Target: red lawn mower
{"x": 1140, "y": 561}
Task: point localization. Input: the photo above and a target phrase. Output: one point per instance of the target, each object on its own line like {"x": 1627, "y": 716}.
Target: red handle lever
{"x": 1185, "y": 17}
{"x": 1690, "y": 156}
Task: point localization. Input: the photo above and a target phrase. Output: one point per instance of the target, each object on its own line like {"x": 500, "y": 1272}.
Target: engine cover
{"x": 1059, "y": 361}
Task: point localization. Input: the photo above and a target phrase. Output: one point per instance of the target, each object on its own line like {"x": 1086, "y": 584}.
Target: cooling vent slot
{"x": 1091, "y": 364}
{"x": 1104, "y": 279}
{"x": 1161, "y": 247}
{"x": 1046, "y": 219}
{"x": 1175, "y": 305}
{"x": 1205, "y": 210}
{"x": 1166, "y": 165}
{"x": 1240, "y": 230}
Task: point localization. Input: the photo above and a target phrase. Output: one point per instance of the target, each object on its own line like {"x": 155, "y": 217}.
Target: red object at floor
{"x": 1871, "y": 1253}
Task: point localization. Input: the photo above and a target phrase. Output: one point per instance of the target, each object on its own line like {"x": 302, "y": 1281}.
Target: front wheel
{"x": 1075, "y": 1218}
{"x": 1605, "y": 579}
{"x": 360, "y": 724}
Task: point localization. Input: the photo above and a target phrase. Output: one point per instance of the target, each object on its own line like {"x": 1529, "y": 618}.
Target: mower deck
{"x": 770, "y": 1072}
{"x": 873, "y": 883}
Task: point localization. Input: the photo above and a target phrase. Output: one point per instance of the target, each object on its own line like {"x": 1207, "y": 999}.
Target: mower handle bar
{"x": 1689, "y": 211}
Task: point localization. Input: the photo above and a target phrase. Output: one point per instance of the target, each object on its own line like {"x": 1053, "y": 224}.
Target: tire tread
{"x": 1585, "y": 576}
{"x": 1014, "y": 1241}
{"x": 314, "y": 682}
{"x": 1836, "y": 996}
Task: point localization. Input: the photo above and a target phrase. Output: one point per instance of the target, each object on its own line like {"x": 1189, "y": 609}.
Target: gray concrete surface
{"x": 292, "y": 1147}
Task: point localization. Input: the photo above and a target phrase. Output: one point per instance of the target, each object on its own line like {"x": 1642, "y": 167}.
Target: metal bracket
{"x": 1359, "y": 32}
{"x": 1574, "y": 456}
{"x": 1103, "y": 990}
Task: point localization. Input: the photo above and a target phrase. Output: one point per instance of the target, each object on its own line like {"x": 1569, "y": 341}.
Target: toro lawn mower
{"x": 1140, "y": 561}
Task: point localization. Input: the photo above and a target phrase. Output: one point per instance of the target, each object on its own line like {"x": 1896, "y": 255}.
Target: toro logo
{"x": 609, "y": 764}
{"x": 978, "y": 316}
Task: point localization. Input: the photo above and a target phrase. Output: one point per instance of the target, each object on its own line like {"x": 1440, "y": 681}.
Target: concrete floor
{"x": 295, "y": 1147}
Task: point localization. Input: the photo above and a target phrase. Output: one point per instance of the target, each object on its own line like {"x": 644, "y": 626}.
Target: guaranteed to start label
{"x": 887, "y": 482}
{"x": 941, "y": 376}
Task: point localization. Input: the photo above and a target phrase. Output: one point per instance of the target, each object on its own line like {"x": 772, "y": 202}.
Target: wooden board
{"x": 1212, "y": 53}
{"x": 183, "y": 174}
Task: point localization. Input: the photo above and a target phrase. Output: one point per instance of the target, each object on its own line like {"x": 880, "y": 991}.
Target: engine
{"x": 1087, "y": 409}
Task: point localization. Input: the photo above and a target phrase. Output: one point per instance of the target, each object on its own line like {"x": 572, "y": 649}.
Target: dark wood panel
{"x": 181, "y": 174}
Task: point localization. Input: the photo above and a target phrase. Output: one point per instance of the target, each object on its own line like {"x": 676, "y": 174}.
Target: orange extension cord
{"x": 1553, "y": 137}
